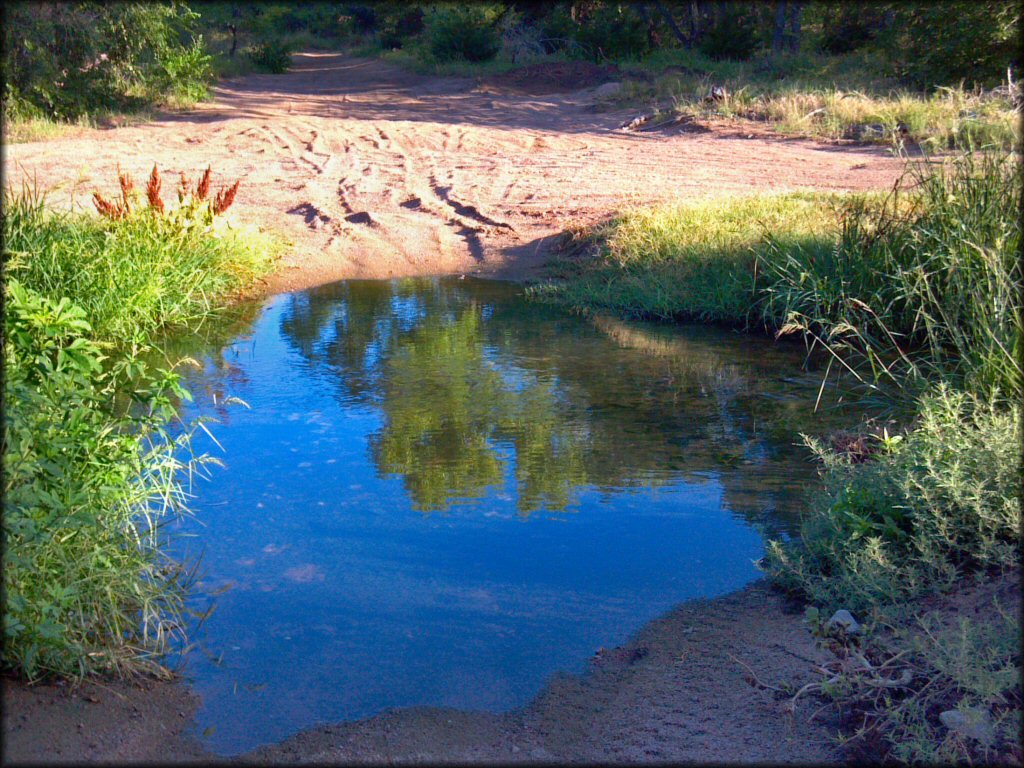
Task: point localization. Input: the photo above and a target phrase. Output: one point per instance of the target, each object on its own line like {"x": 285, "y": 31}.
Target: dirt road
{"x": 372, "y": 171}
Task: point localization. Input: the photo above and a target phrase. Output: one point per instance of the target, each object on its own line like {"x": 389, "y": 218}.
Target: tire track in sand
{"x": 373, "y": 171}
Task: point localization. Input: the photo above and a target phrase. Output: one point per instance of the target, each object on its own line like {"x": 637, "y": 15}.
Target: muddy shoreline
{"x": 675, "y": 692}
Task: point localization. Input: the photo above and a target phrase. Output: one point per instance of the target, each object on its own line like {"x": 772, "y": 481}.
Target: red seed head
{"x": 153, "y": 191}
{"x": 225, "y": 198}
{"x": 203, "y": 188}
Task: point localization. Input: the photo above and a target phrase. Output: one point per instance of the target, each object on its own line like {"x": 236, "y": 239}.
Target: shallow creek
{"x": 440, "y": 494}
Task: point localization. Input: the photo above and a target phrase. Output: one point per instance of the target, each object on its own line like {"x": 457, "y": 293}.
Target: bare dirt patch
{"x": 372, "y": 171}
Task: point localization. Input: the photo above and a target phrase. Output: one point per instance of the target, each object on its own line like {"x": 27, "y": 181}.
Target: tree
{"x": 787, "y": 13}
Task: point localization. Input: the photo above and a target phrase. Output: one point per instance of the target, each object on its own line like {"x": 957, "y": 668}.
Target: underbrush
{"x": 829, "y": 97}
{"x": 915, "y": 515}
{"x": 95, "y": 459}
{"x": 91, "y": 471}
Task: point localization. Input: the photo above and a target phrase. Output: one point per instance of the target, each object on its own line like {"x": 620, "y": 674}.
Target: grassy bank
{"x": 95, "y": 459}
{"x": 848, "y": 96}
{"x": 846, "y": 79}
{"x": 918, "y": 296}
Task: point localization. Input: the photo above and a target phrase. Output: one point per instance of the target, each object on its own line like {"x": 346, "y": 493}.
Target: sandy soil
{"x": 372, "y": 171}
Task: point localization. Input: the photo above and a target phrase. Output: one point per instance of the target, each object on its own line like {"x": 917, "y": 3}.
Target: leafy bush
{"x": 272, "y": 56}
{"x": 935, "y": 44}
{"x": 185, "y": 73}
{"x": 91, "y": 471}
{"x": 846, "y": 27}
{"x": 68, "y": 59}
{"x": 734, "y": 37}
{"x": 613, "y": 31}
{"x": 933, "y": 505}
{"x": 467, "y": 33}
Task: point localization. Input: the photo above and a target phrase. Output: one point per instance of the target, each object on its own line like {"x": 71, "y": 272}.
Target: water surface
{"x": 440, "y": 494}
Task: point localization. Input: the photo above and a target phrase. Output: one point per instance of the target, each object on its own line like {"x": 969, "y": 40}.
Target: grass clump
{"x": 684, "y": 260}
{"x": 902, "y": 289}
{"x": 134, "y": 275}
{"x": 921, "y": 286}
{"x": 814, "y": 100}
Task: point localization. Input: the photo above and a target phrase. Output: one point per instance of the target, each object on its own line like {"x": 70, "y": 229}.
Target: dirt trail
{"x": 372, "y": 171}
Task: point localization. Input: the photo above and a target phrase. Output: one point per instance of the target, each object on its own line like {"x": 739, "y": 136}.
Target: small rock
{"x": 974, "y": 723}
{"x": 843, "y": 619}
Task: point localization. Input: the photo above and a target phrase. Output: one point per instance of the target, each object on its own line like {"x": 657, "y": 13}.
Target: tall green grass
{"x": 921, "y": 286}
{"x": 902, "y": 289}
{"x": 693, "y": 261}
{"x": 134, "y": 275}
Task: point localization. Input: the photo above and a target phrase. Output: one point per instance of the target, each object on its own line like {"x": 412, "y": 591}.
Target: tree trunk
{"x": 234, "y": 40}
{"x": 794, "y": 25}
{"x": 694, "y": 22}
{"x": 687, "y": 43}
{"x": 780, "y": 25}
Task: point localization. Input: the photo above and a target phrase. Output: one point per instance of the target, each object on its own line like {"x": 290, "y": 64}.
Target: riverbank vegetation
{"x": 95, "y": 458}
{"x": 917, "y": 296}
{"x": 937, "y": 75}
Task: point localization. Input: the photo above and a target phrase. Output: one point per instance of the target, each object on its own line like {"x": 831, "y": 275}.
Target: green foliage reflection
{"x": 481, "y": 392}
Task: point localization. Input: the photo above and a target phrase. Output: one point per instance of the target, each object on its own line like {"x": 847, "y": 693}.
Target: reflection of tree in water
{"x": 475, "y": 385}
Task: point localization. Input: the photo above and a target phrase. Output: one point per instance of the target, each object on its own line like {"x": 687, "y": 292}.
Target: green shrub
{"x": 937, "y": 44}
{"x": 613, "y": 31}
{"x": 272, "y": 56}
{"x": 71, "y": 59}
{"x": 91, "y": 471}
{"x": 466, "y": 33}
{"x": 185, "y": 73}
{"x": 734, "y": 37}
{"x": 940, "y": 502}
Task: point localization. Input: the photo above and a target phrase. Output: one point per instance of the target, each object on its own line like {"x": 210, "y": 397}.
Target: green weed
{"x": 136, "y": 274}
{"x": 92, "y": 470}
{"x": 915, "y": 518}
